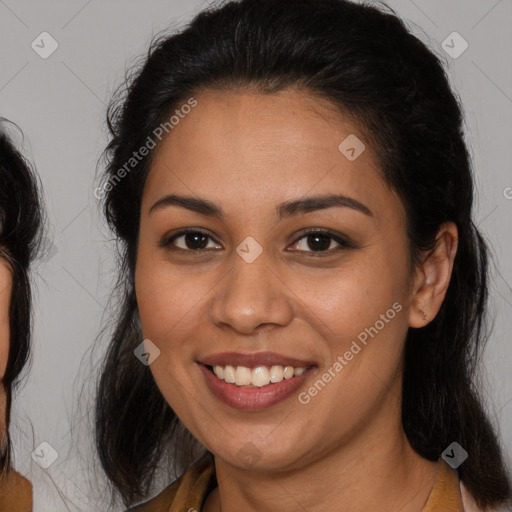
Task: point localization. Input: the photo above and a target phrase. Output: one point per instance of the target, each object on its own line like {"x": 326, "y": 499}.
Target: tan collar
{"x": 445, "y": 495}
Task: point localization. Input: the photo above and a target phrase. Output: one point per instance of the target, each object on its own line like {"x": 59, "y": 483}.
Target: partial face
{"x": 266, "y": 285}
{"x": 5, "y": 299}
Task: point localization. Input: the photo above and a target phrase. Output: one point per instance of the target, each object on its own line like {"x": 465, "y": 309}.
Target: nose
{"x": 251, "y": 297}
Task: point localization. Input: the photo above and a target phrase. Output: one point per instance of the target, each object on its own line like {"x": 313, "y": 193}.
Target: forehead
{"x": 261, "y": 147}
{"x": 245, "y": 123}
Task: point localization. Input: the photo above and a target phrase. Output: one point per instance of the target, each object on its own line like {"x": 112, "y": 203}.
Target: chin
{"x": 251, "y": 457}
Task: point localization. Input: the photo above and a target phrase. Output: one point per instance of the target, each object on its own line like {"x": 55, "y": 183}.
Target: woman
{"x": 293, "y": 197}
{"x": 20, "y": 235}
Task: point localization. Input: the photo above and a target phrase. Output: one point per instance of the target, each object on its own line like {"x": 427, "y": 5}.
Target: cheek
{"x": 360, "y": 313}
{"x": 165, "y": 316}
{"x": 168, "y": 303}
{"x": 156, "y": 293}
{"x": 354, "y": 297}
{"x": 158, "y": 312}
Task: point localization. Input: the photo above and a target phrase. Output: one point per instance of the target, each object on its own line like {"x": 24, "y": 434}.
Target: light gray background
{"x": 60, "y": 103}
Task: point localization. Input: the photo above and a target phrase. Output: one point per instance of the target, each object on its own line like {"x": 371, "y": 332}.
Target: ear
{"x": 432, "y": 277}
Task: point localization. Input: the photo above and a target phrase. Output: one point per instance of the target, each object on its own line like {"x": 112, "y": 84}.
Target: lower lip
{"x": 245, "y": 398}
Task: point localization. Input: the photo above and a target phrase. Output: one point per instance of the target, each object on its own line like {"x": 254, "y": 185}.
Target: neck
{"x": 376, "y": 470}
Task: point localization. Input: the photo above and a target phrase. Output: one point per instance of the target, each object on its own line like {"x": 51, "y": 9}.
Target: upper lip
{"x": 253, "y": 359}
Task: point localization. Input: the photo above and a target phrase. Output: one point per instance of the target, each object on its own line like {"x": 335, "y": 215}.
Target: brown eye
{"x": 320, "y": 242}
{"x": 189, "y": 240}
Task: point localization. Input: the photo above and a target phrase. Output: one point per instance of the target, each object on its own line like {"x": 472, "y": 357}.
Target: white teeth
{"x": 260, "y": 376}
{"x": 229, "y": 374}
{"x": 288, "y": 372}
{"x": 242, "y": 376}
{"x": 276, "y": 374}
{"x": 257, "y": 377}
{"x": 219, "y": 371}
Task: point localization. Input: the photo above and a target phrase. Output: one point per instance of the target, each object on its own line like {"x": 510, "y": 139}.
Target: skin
{"x": 15, "y": 489}
{"x": 5, "y": 298}
{"x": 248, "y": 153}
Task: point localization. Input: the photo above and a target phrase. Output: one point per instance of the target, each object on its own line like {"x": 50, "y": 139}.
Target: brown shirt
{"x": 15, "y": 493}
{"x": 192, "y": 488}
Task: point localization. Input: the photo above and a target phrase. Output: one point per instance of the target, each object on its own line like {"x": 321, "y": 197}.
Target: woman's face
{"x": 5, "y": 300}
{"x": 256, "y": 283}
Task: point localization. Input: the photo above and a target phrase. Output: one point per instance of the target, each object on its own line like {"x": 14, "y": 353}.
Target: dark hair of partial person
{"x": 362, "y": 59}
{"x": 21, "y": 222}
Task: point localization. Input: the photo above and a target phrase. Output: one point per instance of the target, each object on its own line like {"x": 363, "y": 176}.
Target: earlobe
{"x": 433, "y": 277}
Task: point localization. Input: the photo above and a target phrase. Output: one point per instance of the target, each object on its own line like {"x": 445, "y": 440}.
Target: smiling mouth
{"x": 257, "y": 377}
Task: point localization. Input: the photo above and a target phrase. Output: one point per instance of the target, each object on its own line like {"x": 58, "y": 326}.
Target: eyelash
{"x": 344, "y": 244}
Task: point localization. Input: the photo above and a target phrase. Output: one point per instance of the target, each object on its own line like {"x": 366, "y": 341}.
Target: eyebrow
{"x": 286, "y": 209}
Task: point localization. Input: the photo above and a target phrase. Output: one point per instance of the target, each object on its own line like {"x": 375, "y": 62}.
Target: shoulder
{"x": 188, "y": 491}
{"x": 470, "y": 505}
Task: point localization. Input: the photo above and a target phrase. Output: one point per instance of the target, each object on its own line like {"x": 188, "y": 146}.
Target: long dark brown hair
{"x": 21, "y": 237}
{"x": 365, "y": 61}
